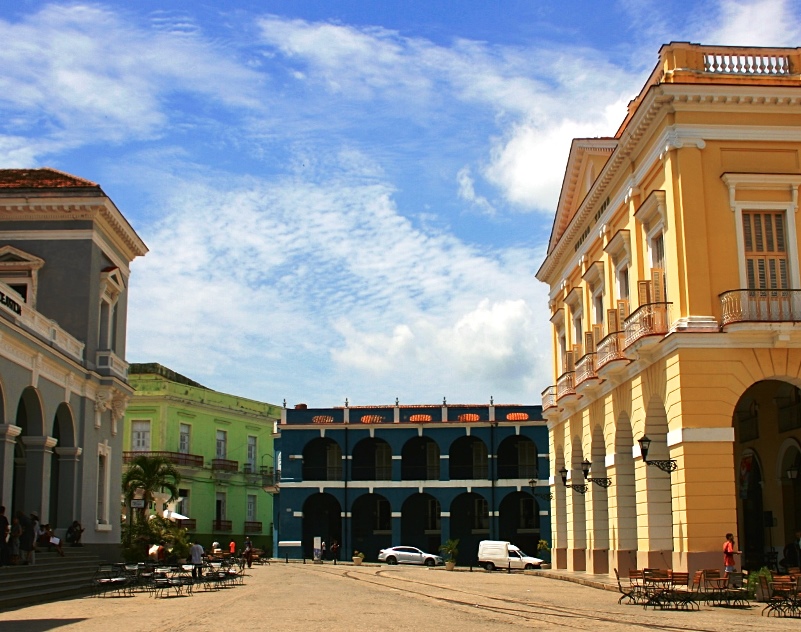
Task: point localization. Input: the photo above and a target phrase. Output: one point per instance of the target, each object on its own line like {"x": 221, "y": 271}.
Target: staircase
{"x": 52, "y": 577}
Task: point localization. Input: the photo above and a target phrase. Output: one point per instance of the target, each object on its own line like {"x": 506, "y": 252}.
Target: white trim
{"x": 609, "y": 460}
{"x": 700, "y": 435}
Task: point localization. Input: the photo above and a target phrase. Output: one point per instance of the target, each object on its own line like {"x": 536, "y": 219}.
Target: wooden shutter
{"x": 598, "y": 331}
{"x": 622, "y": 313}
{"x": 589, "y": 341}
{"x": 764, "y": 241}
{"x": 612, "y": 319}
{"x": 643, "y": 293}
{"x": 658, "y": 285}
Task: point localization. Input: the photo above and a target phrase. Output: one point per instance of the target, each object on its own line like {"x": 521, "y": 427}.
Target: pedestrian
{"x": 14, "y": 535}
{"x": 322, "y": 551}
{"x": 232, "y": 548}
{"x": 74, "y": 534}
{"x": 728, "y": 555}
{"x": 249, "y": 552}
{"x": 26, "y": 539}
{"x": 196, "y": 557}
{"x": 335, "y": 551}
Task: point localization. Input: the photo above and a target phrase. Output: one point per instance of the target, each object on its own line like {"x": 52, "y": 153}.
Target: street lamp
{"x": 544, "y": 495}
{"x": 666, "y": 465}
{"x": 581, "y": 489}
{"x": 586, "y": 466}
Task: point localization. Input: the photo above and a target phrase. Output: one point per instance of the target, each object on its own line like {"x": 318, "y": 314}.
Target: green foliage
{"x": 543, "y": 546}
{"x": 450, "y": 549}
{"x": 358, "y": 554}
{"x": 753, "y": 580}
{"x": 147, "y": 475}
{"x": 139, "y": 536}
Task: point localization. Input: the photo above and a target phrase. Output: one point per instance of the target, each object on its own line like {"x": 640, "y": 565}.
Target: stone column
{"x": 396, "y": 527}
{"x": 68, "y": 463}
{"x": 38, "y": 452}
{"x": 8, "y": 438}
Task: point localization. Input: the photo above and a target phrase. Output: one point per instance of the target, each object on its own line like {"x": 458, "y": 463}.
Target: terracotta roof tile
{"x": 44, "y": 178}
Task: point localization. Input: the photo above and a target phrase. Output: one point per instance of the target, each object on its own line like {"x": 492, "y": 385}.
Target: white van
{"x": 494, "y": 554}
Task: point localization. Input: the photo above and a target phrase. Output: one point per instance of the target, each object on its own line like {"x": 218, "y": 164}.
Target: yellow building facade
{"x": 675, "y": 300}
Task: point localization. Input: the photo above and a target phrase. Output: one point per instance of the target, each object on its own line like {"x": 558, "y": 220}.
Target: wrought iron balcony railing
{"x": 221, "y": 525}
{"x": 252, "y": 526}
{"x": 565, "y": 384}
{"x": 647, "y": 320}
{"x": 224, "y": 465}
{"x": 585, "y": 368}
{"x": 190, "y": 524}
{"x": 609, "y": 349}
{"x": 740, "y": 306}
{"x": 549, "y": 398}
{"x": 176, "y": 458}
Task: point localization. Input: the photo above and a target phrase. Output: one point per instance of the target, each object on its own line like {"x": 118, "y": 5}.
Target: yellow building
{"x": 675, "y": 302}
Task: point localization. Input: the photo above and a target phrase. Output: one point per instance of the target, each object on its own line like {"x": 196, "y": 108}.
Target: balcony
{"x": 549, "y": 398}
{"x": 110, "y": 364}
{"x": 586, "y": 376}
{"x": 609, "y": 356}
{"x": 190, "y": 524}
{"x": 565, "y": 385}
{"x": 761, "y": 306}
{"x": 176, "y": 458}
{"x": 649, "y": 321}
{"x": 222, "y": 525}
{"x": 224, "y": 465}
{"x": 252, "y": 526}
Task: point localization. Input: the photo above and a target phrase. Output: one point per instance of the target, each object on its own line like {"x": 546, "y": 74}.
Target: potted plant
{"x": 450, "y": 549}
{"x": 543, "y": 547}
{"x": 358, "y": 556}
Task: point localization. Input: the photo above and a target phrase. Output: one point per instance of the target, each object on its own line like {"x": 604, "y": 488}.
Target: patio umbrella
{"x": 171, "y": 515}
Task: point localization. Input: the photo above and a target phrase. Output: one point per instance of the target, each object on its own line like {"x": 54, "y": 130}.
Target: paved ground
{"x": 344, "y": 597}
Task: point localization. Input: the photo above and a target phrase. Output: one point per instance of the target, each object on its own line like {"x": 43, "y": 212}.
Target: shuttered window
{"x": 766, "y": 262}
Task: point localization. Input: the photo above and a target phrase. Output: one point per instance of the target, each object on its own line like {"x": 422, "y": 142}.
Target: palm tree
{"x": 149, "y": 474}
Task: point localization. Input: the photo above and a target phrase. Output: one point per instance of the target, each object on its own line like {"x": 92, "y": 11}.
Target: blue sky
{"x": 341, "y": 199}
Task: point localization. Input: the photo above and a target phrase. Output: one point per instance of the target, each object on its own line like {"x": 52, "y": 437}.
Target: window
{"x": 528, "y": 515}
{"x": 183, "y": 439}
{"x": 222, "y": 441}
{"x": 140, "y": 435}
{"x": 480, "y": 515}
{"x": 765, "y": 250}
{"x": 251, "y": 508}
{"x": 433, "y": 521}
{"x": 182, "y": 504}
{"x": 111, "y": 286}
{"x": 767, "y": 258}
{"x": 383, "y": 462}
{"x": 219, "y": 508}
{"x": 383, "y": 515}
{"x": 19, "y": 270}
{"x": 622, "y": 274}
{"x": 103, "y": 486}
{"x": 251, "y": 462}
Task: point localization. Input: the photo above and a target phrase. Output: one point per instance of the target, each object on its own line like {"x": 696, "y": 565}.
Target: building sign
{"x": 10, "y": 304}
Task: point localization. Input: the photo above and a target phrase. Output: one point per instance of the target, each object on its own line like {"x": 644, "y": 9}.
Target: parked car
{"x": 494, "y": 554}
{"x": 408, "y": 555}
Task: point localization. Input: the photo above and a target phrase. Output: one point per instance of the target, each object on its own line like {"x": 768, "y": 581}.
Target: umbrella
{"x": 174, "y": 516}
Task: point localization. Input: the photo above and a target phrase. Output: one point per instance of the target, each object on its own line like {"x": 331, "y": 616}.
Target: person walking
{"x": 248, "y": 552}
{"x": 196, "y": 557}
{"x": 728, "y": 555}
{"x": 26, "y": 539}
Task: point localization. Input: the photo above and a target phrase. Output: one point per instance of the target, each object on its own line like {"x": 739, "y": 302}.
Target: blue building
{"x": 378, "y": 476}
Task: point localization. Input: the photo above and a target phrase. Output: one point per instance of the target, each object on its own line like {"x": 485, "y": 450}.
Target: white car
{"x": 408, "y": 555}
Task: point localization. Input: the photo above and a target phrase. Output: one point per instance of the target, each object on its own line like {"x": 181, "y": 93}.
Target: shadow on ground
{"x": 36, "y": 625}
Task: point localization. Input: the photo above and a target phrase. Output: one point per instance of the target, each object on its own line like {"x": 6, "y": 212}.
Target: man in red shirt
{"x": 728, "y": 555}
{"x": 232, "y": 548}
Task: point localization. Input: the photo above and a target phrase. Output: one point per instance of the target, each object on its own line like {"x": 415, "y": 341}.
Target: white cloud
{"x": 756, "y": 23}
{"x": 467, "y": 192}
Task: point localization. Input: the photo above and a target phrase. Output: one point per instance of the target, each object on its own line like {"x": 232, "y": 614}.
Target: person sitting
{"x": 52, "y": 540}
{"x": 74, "y": 532}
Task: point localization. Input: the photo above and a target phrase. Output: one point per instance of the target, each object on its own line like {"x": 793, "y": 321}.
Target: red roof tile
{"x": 44, "y": 178}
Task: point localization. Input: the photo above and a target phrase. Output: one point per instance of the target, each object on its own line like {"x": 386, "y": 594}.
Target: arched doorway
{"x": 468, "y": 459}
{"x": 63, "y": 469}
{"x": 520, "y": 521}
{"x": 322, "y": 516}
{"x": 517, "y": 458}
{"x": 372, "y": 461}
{"x": 420, "y": 460}
{"x": 420, "y": 522}
{"x": 371, "y": 524}
{"x": 322, "y": 460}
{"x": 469, "y": 524}
{"x": 767, "y": 440}
{"x": 32, "y": 454}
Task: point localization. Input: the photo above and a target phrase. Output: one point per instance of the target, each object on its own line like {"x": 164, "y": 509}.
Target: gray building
{"x": 65, "y": 252}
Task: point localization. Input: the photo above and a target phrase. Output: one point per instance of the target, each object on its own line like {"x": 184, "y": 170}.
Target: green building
{"x": 221, "y": 444}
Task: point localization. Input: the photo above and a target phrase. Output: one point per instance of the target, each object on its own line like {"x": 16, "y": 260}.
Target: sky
{"x": 342, "y": 199}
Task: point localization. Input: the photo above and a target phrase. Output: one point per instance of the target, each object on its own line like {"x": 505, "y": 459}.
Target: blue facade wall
{"x": 372, "y": 477}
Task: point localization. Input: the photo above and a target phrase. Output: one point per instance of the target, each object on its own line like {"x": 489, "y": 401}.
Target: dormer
{"x": 20, "y": 271}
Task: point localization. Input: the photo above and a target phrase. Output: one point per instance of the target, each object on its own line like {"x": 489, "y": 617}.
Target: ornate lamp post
{"x": 666, "y": 465}
{"x": 581, "y": 489}
{"x": 586, "y": 466}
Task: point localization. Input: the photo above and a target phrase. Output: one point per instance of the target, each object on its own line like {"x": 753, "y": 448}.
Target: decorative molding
{"x": 653, "y": 211}
{"x": 700, "y": 435}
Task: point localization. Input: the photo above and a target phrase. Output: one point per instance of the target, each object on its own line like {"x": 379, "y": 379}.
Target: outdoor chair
{"x": 630, "y": 592}
{"x": 109, "y": 579}
{"x": 736, "y": 590}
{"x": 780, "y": 594}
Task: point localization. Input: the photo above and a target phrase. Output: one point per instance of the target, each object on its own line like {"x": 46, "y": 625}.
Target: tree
{"x": 145, "y": 476}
